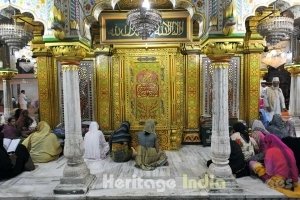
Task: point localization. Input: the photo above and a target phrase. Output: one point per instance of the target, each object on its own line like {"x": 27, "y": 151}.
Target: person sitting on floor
{"x": 42, "y": 144}
{"x": 12, "y": 165}
{"x": 95, "y": 146}
{"x": 237, "y": 161}
{"x": 247, "y": 143}
{"x": 23, "y": 124}
{"x": 120, "y": 141}
{"x": 9, "y": 130}
{"x": 279, "y": 170}
{"x": 148, "y": 154}
{"x": 278, "y": 127}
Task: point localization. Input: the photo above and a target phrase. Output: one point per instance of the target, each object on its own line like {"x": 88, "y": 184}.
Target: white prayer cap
{"x": 275, "y": 79}
{"x": 263, "y": 81}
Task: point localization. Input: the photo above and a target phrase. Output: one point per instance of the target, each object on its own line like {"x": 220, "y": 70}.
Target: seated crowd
{"x": 270, "y": 152}
{"x": 39, "y": 144}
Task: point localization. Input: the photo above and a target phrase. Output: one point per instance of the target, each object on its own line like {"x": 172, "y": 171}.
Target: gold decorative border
{"x": 69, "y": 68}
{"x": 179, "y": 14}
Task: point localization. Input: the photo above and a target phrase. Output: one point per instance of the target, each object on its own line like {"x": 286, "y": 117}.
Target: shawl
{"x": 258, "y": 126}
{"x": 150, "y": 126}
{"x": 43, "y": 145}
{"x": 95, "y": 145}
{"x": 278, "y": 127}
{"x": 279, "y": 159}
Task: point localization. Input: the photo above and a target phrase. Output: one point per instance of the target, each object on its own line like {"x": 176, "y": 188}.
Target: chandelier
{"x": 144, "y": 20}
{"x": 275, "y": 28}
{"x": 14, "y": 35}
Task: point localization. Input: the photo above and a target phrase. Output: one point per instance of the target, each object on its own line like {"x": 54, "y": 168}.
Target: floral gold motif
{"x": 7, "y": 73}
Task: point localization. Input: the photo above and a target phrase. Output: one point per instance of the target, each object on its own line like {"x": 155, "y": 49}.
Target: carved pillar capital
{"x": 7, "y": 73}
{"x": 41, "y": 52}
{"x": 37, "y": 35}
{"x": 294, "y": 69}
{"x": 69, "y": 53}
{"x": 221, "y": 52}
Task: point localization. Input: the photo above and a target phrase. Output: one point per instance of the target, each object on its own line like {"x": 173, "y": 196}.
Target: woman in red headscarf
{"x": 280, "y": 171}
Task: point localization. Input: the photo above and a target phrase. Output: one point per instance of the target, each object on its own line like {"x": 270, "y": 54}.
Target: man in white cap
{"x": 274, "y": 99}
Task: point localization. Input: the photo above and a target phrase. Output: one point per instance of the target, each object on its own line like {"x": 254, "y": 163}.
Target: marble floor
{"x": 168, "y": 182}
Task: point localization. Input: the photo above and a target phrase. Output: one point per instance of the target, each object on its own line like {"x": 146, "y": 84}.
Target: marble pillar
{"x": 220, "y": 54}
{"x": 7, "y": 74}
{"x": 294, "y": 104}
{"x": 76, "y": 176}
{"x": 7, "y": 99}
{"x": 220, "y": 146}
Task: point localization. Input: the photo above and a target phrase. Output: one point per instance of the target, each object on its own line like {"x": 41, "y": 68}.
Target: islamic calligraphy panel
{"x": 175, "y": 27}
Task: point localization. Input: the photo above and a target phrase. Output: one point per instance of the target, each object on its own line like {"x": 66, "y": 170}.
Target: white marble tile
{"x": 189, "y": 161}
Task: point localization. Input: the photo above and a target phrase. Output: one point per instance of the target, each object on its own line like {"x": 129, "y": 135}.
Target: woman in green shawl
{"x": 43, "y": 145}
{"x": 148, "y": 154}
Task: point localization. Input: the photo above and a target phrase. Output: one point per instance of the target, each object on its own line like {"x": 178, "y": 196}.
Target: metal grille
{"x": 233, "y": 86}
{"x": 85, "y": 89}
{"x": 86, "y": 70}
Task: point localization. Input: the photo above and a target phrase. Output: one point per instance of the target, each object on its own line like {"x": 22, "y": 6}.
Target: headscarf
{"x": 290, "y": 126}
{"x": 258, "y": 126}
{"x": 150, "y": 126}
{"x": 94, "y": 143}
{"x": 271, "y": 141}
{"x": 277, "y": 126}
{"x": 242, "y": 129}
{"x": 259, "y": 137}
{"x": 42, "y": 144}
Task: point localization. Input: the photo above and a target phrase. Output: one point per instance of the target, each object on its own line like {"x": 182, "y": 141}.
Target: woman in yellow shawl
{"x": 43, "y": 145}
{"x": 148, "y": 154}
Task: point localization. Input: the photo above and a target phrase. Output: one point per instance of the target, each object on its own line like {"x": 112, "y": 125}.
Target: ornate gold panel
{"x": 147, "y": 84}
{"x": 252, "y": 79}
{"x": 103, "y": 85}
{"x": 192, "y": 92}
{"x": 48, "y": 90}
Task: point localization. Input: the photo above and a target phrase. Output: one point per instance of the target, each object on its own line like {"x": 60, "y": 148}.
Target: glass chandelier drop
{"x": 144, "y": 21}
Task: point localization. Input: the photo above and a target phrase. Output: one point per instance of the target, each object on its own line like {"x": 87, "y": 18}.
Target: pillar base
{"x": 219, "y": 171}
{"x": 218, "y": 186}
{"x": 79, "y": 188}
{"x": 296, "y": 121}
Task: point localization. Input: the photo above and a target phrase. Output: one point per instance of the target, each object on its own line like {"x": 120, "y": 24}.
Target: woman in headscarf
{"x": 258, "y": 134}
{"x": 95, "y": 146}
{"x": 23, "y": 123}
{"x": 9, "y": 130}
{"x": 148, "y": 154}
{"x": 43, "y": 145}
{"x": 258, "y": 126}
{"x": 241, "y": 136}
{"x": 278, "y": 127}
{"x": 120, "y": 144}
{"x": 279, "y": 171}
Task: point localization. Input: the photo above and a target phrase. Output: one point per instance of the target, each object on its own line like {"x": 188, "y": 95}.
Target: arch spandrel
{"x": 253, "y": 5}
{"x": 40, "y": 9}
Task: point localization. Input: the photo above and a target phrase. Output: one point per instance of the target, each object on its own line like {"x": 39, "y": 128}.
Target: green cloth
{"x": 149, "y": 158}
{"x": 43, "y": 145}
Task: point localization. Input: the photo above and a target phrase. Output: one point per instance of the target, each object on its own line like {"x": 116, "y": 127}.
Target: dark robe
{"x": 294, "y": 144}
{"x": 237, "y": 161}
{"x": 11, "y": 166}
